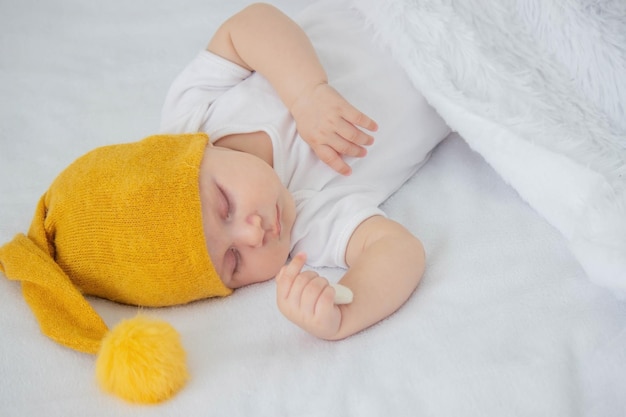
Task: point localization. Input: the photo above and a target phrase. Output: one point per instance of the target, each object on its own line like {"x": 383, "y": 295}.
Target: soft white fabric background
{"x": 504, "y": 323}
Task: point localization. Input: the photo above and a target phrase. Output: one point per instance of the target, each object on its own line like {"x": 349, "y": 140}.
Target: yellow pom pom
{"x": 142, "y": 361}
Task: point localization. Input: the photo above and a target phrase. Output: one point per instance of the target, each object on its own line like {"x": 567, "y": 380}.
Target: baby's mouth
{"x": 278, "y": 225}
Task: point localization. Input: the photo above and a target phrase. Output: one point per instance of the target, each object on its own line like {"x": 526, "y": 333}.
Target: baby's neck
{"x": 255, "y": 143}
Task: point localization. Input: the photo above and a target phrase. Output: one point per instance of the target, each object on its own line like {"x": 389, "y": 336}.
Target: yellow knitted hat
{"x": 123, "y": 222}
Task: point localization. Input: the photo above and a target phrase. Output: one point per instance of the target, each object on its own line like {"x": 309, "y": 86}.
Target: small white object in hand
{"x": 343, "y": 295}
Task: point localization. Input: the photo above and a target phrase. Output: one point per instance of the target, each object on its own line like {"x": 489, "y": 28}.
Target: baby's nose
{"x": 252, "y": 231}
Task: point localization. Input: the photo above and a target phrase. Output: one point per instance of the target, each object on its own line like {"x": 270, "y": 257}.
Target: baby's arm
{"x": 261, "y": 38}
{"x": 386, "y": 262}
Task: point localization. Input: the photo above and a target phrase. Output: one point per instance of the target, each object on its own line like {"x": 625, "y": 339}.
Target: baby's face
{"x": 247, "y": 216}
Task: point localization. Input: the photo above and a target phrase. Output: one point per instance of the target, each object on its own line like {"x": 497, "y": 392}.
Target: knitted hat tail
{"x": 124, "y": 223}
{"x": 63, "y": 313}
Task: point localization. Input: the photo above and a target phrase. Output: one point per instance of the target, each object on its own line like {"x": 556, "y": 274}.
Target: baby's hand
{"x": 307, "y": 299}
{"x": 332, "y": 126}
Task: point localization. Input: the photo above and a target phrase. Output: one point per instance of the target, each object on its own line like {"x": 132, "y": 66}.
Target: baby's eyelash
{"x": 237, "y": 259}
{"x": 226, "y": 200}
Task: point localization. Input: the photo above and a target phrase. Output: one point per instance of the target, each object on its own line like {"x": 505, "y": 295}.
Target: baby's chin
{"x": 257, "y": 280}
{"x": 279, "y": 266}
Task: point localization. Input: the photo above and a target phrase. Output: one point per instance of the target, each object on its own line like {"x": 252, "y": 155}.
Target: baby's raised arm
{"x": 386, "y": 262}
{"x": 261, "y": 38}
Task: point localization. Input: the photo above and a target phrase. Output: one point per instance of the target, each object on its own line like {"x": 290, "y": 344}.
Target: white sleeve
{"x": 188, "y": 101}
{"x": 327, "y": 219}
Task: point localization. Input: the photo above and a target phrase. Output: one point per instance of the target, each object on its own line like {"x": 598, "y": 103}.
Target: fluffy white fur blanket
{"x": 538, "y": 88}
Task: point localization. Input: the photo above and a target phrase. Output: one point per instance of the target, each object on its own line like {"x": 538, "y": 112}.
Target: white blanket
{"x": 506, "y": 321}
{"x": 538, "y": 88}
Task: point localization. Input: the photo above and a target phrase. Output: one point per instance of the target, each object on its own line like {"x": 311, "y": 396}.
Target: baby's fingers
{"x": 326, "y": 305}
{"x": 288, "y": 274}
{"x": 353, "y": 139}
{"x": 330, "y": 157}
{"x": 311, "y": 294}
{"x": 358, "y": 118}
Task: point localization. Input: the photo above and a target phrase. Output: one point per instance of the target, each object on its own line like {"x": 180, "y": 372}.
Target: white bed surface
{"x": 505, "y": 322}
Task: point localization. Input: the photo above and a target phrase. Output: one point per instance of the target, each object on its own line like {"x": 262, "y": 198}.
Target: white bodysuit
{"x": 216, "y": 96}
